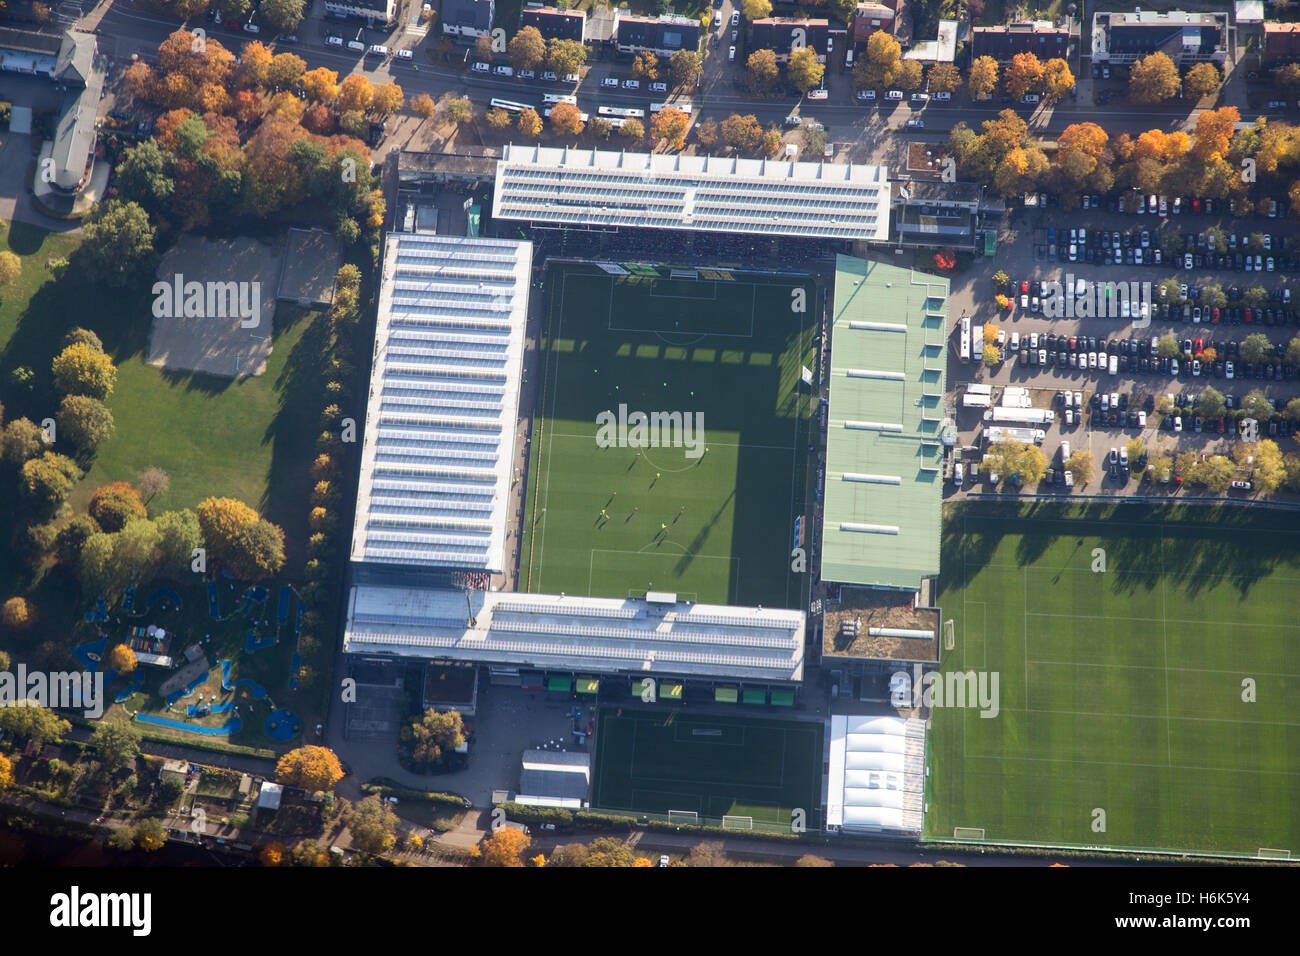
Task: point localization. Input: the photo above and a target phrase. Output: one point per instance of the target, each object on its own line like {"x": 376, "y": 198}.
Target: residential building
{"x": 554, "y": 24}
{"x": 1187, "y": 38}
{"x": 870, "y": 17}
{"x": 468, "y": 19}
{"x": 782, "y": 35}
{"x": 373, "y": 11}
{"x": 1040, "y": 37}
{"x": 1281, "y": 43}
{"x": 661, "y": 35}
{"x": 942, "y": 49}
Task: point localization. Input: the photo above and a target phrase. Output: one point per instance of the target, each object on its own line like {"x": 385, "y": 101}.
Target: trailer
{"x": 1028, "y": 436}
{"x": 976, "y": 401}
{"x": 1020, "y": 416}
{"x": 979, "y": 388}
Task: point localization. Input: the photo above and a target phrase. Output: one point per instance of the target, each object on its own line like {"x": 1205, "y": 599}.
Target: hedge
{"x": 387, "y": 787}
{"x": 521, "y": 813}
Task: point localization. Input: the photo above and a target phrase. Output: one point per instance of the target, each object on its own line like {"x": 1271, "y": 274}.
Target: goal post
{"x": 730, "y": 822}
{"x": 691, "y": 817}
{"x": 949, "y": 638}
{"x": 968, "y": 833}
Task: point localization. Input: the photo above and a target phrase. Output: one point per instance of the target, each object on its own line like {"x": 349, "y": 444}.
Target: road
{"x": 126, "y": 29}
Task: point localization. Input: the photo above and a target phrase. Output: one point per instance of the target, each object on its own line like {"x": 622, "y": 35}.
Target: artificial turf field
{"x": 730, "y": 350}
{"x": 1122, "y": 689}
{"x": 654, "y": 762}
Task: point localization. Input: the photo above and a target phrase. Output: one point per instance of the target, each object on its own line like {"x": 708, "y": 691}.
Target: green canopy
{"x": 561, "y": 684}
{"x": 782, "y": 698}
{"x": 725, "y": 695}
{"x": 754, "y": 696}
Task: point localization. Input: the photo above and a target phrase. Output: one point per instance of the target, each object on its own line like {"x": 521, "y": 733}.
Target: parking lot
{"x": 1208, "y": 311}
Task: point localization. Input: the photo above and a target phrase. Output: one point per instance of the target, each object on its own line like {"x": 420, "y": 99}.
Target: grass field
{"x": 730, "y": 351}
{"x": 1122, "y": 689}
{"x": 714, "y": 765}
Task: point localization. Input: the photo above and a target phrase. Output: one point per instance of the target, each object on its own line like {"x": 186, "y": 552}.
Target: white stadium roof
{"x": 596, "y": 635}
{"x": 704, "y": 193}
{"x": 877, "y": 774}
{"x": 444, "y": 393}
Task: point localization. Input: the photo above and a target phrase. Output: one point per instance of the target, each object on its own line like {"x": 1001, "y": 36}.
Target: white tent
{"x": 877, "y": 774}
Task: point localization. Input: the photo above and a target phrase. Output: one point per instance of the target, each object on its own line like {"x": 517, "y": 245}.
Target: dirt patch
{"x": 229, "y": 333}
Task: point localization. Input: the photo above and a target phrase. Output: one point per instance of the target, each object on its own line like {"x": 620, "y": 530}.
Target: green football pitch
{"x": 712, "y": 765}
{"x": 715, "y": 526}
{"x": 1149, "y": 664}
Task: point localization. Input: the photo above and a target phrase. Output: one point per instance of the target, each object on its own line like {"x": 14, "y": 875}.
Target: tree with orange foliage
{"x": 566, "y": 120}
{"x": 321, "y": 85}
{"x": 1024, "y": 75}
{"x": 669, "y": 125}
{"x": 1057, "y": 78}
{"x": 122, "y": 659}
{"x": 247, "y": 106}
{"x": 255, "y": 68}
{"x": 1214, "y": 130}
{"x": 18, "y": 614}
{"x": 423, "y": 106}
{"x": 1153, "y": 79}
{"x": 356, "y": 93}
{"x": 271, "y": 854}
{"x": 529, "y": 123}
{"x": 312, "y": 768}
{"x": 140, "y": 81}
{"x": 318, "y": 119}
{"x": 504, "y": 847}
{"x": 1161, "y": 146}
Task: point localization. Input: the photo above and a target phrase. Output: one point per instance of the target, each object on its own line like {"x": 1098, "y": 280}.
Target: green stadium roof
{"x": 884, "y": 458}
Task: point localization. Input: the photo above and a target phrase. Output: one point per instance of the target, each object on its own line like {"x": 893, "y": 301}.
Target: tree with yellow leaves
{"x": 1024, "y": 75}
{"x": 321, "y": 85}
{"x": 530, "y": 124}
{"x": 504, "y": 847}
{"x": 271, "y": 854}
{"x": 1202, "y": 80}
{"x": 1214, "y": 130}
{"x": 1057, "y": 78}
{"x": 983, "y": 78}
{"x": 1153, "y": 79}
{"x": 669, "y": 126}
{"x": 122, "y": 659}
{"x": 311, "y": 767}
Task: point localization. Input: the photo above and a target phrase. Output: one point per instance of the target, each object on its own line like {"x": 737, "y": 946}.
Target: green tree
{"x": 114, "y": 504}
{"x": 1257, "y": 405}
{"x": 761, "y": 71}
{"x": 373, "y": 825}
{"x": 1210, "y": 403}
{"x": 84, "y": 421}
{"x": 28, "y": 720}
{"x": 118, "y": 246}
{"x": 1167, "y": 347}
{"x": 23, "y": 441}
{"x": 1255, "y": 348}
{"x": 145, "y": 175}
{"x": 684, "y": 67}
{"x": 1082, "y": 465}
{"x": 565, "y": 56}
{"x": 756, "y": 9}
{"x": 179, "y": 536}
{"x": 47, "y": 481}
{"x": 70, "y": 539}
{"x": 150, "y": 835}
{"x": 992, "y": 356}
{"x": 117, "y": 741}
{"x": 1202, "y": 80}
{"x": 434, "y": 737}
{"x": 283, "y": 16}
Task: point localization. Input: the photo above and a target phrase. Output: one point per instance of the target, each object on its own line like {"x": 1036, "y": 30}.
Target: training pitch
{"x": 713, "y": 523}
{"x": 713, "y": 765}
{"x": 1149, "y": 662}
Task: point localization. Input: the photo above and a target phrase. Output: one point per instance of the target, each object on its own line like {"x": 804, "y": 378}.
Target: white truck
{"x": 1020, "y": 416}
{"x": 974, "y": 400}
{"x": 1029, "y": 436}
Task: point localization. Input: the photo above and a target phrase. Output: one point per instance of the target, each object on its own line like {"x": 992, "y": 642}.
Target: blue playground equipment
{"x": 256, "y": 690}
{"x": 128, "y": 600}
{"x": 101, "y": 611}
{"x": 91, "y": 654}
{"x": 214, "y": 609}
{"x": 164, "y": 594}
{"x": 230, "y": 727}
{"x": 252, "y": 643}
{"x": 293, "y": 670}
{"x": 186, "y": 691}
{"x": 252, "y": 596}
{"x": 283, "y": 614}
{"x": 283, "y": 725}
{"x": 202, "y": 710}
{"x": 136, "y": 682}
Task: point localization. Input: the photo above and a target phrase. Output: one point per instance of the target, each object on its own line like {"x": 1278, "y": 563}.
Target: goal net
{"x": 949, "y": 639}
{"x": 737, "y": 823}
{"x": 968, "y": 833}
{"x": 684, "y": 816}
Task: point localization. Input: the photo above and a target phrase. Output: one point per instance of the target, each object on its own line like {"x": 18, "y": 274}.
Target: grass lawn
{"x": 1122, "y": 690}
{"x": 714, "y": 765}
{"x": 714, "y": 528}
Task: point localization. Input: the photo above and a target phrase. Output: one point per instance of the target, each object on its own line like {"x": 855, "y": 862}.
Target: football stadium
{"x": 1147, "y": 661}
{"x": 702, "y": 504}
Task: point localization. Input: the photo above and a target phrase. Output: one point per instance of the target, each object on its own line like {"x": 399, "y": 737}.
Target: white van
{"x": 378, "y": 49}
{"x": 1065, "y": 452}
{"x": 1114, "y": 365}
{"x": 333, "y": 41}
{"x": 356, "y": 45}
{"x": 731, "y": 55}
{"x": 958, "y": 475}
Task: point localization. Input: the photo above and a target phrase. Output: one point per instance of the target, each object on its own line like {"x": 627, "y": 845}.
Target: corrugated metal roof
{"x": 702, "y": 193}
{"x": 444, "y": 392}
{"x": 584, "y": 634}
{"x": 884, "y": 456}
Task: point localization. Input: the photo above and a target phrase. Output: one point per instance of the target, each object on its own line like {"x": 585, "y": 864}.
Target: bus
{"x": 684, "y": 105}
{"x": 509, "y": 107}
{"x": 546, "y": 114}
{"x": 550, "y": 99}
{"x": 965, "y": 338}
{"x": 626, "y": 112}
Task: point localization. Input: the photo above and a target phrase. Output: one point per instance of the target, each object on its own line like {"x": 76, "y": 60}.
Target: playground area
{"x": 210, "y": 659}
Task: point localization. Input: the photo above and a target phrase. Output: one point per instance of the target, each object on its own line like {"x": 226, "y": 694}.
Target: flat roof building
{"x": 552, "y": 23}
{"x": 1039, "y": 37}
{"x": 439, "y": 440}
{"x": 884, "y": 457}
{"x": 1122, "y": 38}
{"x": 578, "y": 187}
